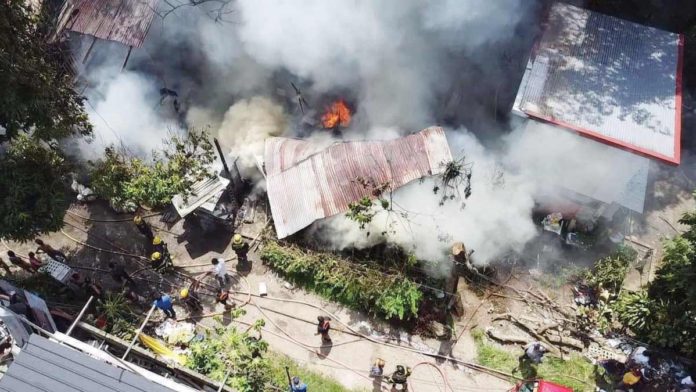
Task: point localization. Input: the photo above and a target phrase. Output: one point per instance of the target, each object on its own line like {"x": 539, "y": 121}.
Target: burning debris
{"x": 337, "y": 115}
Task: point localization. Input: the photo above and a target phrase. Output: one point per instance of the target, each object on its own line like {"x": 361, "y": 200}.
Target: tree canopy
{"x": 36, "y": 79}
{"x": 32, "y": 190}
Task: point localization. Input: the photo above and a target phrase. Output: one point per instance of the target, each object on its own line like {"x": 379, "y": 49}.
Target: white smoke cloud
{"x": 247, "y": 124}
{"x": 393, "y": 53}
{"x": 494, "y": 220}
{"x": 125, "y": 111}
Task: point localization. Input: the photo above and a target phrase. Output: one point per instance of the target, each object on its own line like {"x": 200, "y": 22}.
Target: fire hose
{"x": 472, "y": 366}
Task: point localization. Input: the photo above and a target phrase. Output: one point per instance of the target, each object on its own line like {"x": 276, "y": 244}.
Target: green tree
{"x": 36, "y": 79}
{"x": 665, "y": 313}
{"x": 32, "y": 189}
{"x": 128, "y": 182}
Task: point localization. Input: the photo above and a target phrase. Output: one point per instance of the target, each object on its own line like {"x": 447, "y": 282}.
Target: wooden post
{"x": 89, "y": 50}
{"x": 130, "y": 48}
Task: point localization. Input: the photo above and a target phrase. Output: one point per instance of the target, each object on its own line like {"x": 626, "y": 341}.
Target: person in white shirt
{"x": 220, "y": 271}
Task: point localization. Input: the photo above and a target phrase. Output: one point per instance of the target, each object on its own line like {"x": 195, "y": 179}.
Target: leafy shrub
{"x": 609, "y": 272}
{"x": 389, "y": 296}
{"x": 119, "y": 315}
{"x": 228, "y": 349}
{"x": 128, "y": 182}
{"x": 665, "y": 313}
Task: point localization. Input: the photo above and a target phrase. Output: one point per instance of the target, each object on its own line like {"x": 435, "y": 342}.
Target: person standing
{"x": 6, "y": 267}
{"x": 377, "y": 369}
{"x": 50, "y": 251}
{"x": 161, "y": 263}
{"x": 190, "y": 298}
{"x": 119, "y": 274}
{"x": 240, "y": 248}
{"x": 93, "y": 289}
{"x": 400, "y": 377}
{"x": 534, "y": 352}
{"x": 297, "y": 385}
{"x": 16, "y": 260}
{"x": 35, "y": 262}
{"x": 164, "y": 303}
{"x": 159, "y": 246}
{"x": 323, "y": 328}
{"x": 220, "y": 271}
{"x": 143, "y": 227}
{"x": 222, "y": 297}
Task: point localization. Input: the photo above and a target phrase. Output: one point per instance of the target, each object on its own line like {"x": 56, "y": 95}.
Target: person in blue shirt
{"x": 164, "y": 303}
{"x": 297, "y": 385}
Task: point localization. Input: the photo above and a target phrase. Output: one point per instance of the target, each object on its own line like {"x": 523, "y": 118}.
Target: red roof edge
{"x": 678, "y": 102}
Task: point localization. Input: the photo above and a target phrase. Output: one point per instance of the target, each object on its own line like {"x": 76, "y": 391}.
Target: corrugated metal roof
{"x": 124, "y": 21}
{"x": 44, "y": 366}
{"x": 609, "y": 79}
{"x": 304, "y": 185}
{"x": 209, "y": 189}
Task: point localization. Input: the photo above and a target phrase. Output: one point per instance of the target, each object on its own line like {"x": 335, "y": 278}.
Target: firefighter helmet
{"x": 137, "y": 219}
{"x": 237, "y": 239}
{"x": 156, "y": 256}
{"x": 157, "y": 240}
{"x": 184, "y": 293}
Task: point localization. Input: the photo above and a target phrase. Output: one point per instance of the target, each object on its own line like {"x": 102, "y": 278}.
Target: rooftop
{"x": 609, "y": 79}
{"x": 305, "y": 185}
{"x": 44, "y": 365}
{"x": 124, "y": 21}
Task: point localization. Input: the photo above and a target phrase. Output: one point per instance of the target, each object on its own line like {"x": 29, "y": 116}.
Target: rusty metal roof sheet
{"x": 305, "y": 184}
{"x": 124, "y": 21}
{"x": 608, "y": 79}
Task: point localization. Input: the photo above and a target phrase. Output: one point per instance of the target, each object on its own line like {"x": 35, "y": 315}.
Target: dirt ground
{"x": 290, "y": 326}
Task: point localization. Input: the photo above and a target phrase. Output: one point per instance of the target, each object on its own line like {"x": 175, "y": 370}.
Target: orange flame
{"x": 336, "y": 115}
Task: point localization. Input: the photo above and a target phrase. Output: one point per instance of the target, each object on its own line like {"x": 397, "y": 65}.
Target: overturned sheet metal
{"x": 305, "y": 184}
{"x": 124, "y": 21}
{"x": 205, "y": 193}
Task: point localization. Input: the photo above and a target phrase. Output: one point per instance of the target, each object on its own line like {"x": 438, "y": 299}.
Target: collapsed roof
{"x": 124, "y": 21}
{"x": 608, "y": 79}
{"x": 306, "y": 183}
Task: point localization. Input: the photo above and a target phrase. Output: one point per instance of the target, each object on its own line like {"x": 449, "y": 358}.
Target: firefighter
{"x": 400, "y": 377}
{"x": 189, "y": 297}
{"x": 160, "y": 262}
{"x": 240, "y": 248}
{"x": 159, "y": 246}
{"x": 143, "y": 227}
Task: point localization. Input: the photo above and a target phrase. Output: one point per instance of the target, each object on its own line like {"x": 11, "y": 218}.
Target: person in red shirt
{"x": 323, "y": 328}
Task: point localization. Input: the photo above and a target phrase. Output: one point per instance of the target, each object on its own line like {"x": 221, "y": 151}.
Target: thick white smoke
{"x": 396, "y": 62}
{"x": 534, "y": 162}
{"x": 126, "y": 112}
{"x": 394, "y": 54}
{"x": 247, "y": 124}
{"x": 494, "y": 220}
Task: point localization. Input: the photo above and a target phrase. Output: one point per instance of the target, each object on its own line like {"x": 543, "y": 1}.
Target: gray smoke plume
{"x": 402, "y": 66}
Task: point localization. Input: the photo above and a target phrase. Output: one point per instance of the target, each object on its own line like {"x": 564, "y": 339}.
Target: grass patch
{"x": 315, "y": 381}
{"x": 575, "y": 372}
